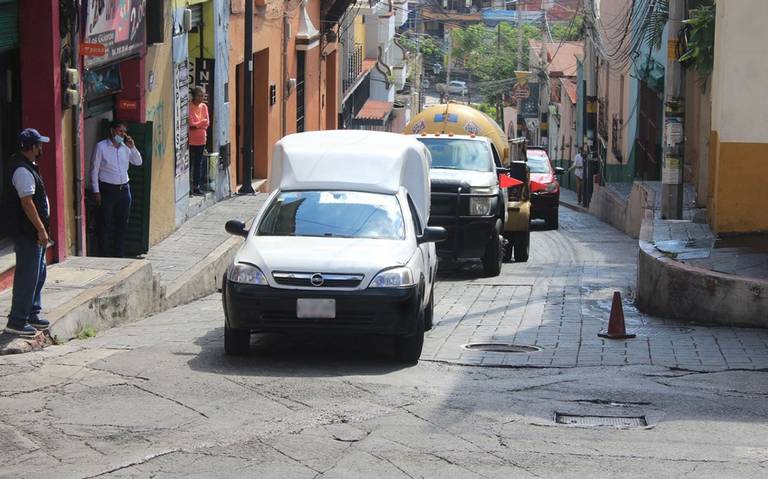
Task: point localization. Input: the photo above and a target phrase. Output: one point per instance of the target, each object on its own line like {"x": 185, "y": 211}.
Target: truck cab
{"x": 466, "y": 198}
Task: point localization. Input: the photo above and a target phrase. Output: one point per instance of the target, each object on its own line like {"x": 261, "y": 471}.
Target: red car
{"x": 545, "y": 189}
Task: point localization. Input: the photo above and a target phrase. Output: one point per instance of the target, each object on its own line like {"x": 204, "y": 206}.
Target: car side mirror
{"x": 236, "y": 227}
{"x": 433, "y": 234}
{"x": 559, "y": 170}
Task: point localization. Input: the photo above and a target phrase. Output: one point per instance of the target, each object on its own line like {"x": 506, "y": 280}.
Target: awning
{"x": 374, "y": 112}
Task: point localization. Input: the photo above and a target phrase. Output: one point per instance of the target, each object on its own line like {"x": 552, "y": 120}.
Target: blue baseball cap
{"x": 30, "y": 136}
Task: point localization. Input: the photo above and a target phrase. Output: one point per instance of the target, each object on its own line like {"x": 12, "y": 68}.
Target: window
{"x": 344, "y": 214}
{"x": 301, "y": 58}
{"x": 459, "y": 154}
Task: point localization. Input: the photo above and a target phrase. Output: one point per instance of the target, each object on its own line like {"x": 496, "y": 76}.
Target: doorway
{"x": 262, "y": 103}
{"x": 648, "y": 160}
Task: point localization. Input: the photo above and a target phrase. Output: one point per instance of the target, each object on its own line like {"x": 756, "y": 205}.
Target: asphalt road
{"x": 158, "y": 398}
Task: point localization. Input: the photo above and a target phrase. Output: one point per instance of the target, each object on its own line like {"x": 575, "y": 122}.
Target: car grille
{"x": 310, "y": 280}
{"x": 445, "y": 199}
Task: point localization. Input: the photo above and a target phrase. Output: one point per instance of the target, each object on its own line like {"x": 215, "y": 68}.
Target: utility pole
{"x": 247, "y": 187}
{"x": 674, "y": 118}
{"x": 590, "y": 110}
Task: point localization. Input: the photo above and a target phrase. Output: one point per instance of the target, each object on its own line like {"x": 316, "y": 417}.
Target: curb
{"x": 126, "y": 296}
{"x": 669, "y": 288}
{"x": 573, "y": 207}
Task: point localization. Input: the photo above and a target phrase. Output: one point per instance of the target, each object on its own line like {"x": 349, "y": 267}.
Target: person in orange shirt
{"x": 198, "y": 129}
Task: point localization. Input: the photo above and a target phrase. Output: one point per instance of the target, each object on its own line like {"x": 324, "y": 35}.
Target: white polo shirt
{"x": 110, "y": 164}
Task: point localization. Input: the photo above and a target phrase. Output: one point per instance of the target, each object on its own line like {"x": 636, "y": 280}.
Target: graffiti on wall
{"x": 181, "y": 117}
{"x": 157, "y": 115}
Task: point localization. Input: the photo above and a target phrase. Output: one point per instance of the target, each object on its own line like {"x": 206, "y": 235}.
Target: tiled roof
{"x": 374, "y": 110}
{"x": 560, "y": 56}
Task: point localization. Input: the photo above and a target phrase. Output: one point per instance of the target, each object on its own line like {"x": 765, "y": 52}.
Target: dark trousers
{"x": 28, "y": 281}
{"x": 113, "y": 218}
{"x": 199, "y": 167}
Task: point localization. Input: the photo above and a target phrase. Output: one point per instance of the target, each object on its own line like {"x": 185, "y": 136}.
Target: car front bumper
{"x": 388, "y": 311}
{"x": 468, "y": 236}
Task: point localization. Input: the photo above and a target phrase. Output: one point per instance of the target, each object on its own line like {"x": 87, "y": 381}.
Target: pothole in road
{"x": 502, "y": 347}
{"x": 600, "y": 421}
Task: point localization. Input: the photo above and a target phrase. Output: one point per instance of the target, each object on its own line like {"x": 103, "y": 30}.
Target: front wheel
{"x": 237, "y": 342}
{"x": 554, "y": 219}
{"x": 493, "y": 256}
{"x": 429, "y": 313}
{"x": 509, "y": 246}
{"x": 408, "y": 348}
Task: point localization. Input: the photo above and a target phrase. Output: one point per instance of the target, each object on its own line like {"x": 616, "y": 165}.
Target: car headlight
{"x": 551, "y": 187}
{"x": 247, "y": 274}
{"x": 482, "y": 206}
{"x": 393, "y": 278}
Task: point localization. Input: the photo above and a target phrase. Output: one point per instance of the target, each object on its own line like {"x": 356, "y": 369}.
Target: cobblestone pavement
{"x": 561, "y": 299}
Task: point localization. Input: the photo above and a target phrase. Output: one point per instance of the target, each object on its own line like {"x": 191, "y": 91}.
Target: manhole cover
{"x": 501, "y": 347}
{"x": 610, "y": 421}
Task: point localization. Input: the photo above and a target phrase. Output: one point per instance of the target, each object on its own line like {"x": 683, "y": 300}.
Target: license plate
{"x": 316, "y": 308}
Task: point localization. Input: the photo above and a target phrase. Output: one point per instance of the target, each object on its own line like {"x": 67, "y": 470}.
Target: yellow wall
{"x": 739, "y": 138}
{"x": 159, "y": 100}
{"x": 359, "y": 31}
{"x": 69, "y": 182}
{"x": 208, "y": 24}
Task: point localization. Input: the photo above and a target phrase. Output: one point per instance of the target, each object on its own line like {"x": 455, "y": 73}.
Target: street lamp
{"x": 247, "y": 187}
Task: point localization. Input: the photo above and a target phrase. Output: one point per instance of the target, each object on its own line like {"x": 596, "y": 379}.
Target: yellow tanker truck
{"x": 461, "y": 185}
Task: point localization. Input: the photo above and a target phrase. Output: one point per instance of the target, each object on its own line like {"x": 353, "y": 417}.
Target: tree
{"x": 568, "y": 32}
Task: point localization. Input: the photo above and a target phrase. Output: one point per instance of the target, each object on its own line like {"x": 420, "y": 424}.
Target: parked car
{"x": 456, "y": 87}
{"x": 545, "y": 188}
{"x": 341, "y": 245}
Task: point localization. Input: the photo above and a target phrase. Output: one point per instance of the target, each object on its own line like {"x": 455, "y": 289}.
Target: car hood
{"x": 473, "y": 178}
{"x": 324, "y": 255}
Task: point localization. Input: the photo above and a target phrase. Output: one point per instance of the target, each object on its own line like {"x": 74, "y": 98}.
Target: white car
{"x": 341, "y": 245}
{"x": 456, "y": 87}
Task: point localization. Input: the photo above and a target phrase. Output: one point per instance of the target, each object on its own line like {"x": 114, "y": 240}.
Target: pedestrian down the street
{"x": 198, "y": 136}
{"x": 110, "y": 185}
{"x": 578, "y": 171}
{"x": 27, "y": 213}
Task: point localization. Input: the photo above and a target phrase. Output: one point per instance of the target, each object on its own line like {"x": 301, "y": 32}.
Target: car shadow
{"x": 280, "y": 355}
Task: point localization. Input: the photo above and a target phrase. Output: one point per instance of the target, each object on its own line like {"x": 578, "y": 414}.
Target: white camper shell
{"x": 341, "y": 245}
{"x": 353, "y": 160}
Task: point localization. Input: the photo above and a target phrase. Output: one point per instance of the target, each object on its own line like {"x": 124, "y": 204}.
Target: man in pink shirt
{"x": 198, "y": 128}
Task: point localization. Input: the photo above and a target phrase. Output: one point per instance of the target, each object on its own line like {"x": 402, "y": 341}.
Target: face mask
{"x": 118, "y": 139}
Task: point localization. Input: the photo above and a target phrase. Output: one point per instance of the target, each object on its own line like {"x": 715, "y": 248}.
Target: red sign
{"x": 93, "y": 49}
{"x": 508, "y": 182}
{"x": 127, "y": 105}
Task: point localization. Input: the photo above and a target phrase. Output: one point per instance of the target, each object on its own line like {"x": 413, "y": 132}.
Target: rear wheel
{"x": 408, "y": 348}
{"x": 493, "y": 256}
{"x": 429, "y": 313}
{"x": 237, "y": 342}
{"x": 509, "y": 246}
{"x": 522, "y": 243}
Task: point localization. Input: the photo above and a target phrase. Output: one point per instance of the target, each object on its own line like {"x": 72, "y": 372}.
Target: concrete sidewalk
{"x": 87, "y": 294}
{"x": 684, "y": 270}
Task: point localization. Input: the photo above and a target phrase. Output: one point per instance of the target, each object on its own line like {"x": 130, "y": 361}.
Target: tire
{"x": 554, "y": 219}
{"x": 429, "y": 313}
{"x": 509, "y": 241}
{"x": 408, "y": 348}
{"x": 522, "y": 245}
{"x": 493, "y": 256}
{"x": 237, "y": 342}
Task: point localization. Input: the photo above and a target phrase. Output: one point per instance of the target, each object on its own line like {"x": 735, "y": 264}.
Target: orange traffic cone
{"x": 616, "y": 329}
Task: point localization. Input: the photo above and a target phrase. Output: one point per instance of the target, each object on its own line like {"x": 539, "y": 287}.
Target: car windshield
{"x": 458, "y": 154}
{"x": 346, "y": 214}
{"x": 538, "y": 164}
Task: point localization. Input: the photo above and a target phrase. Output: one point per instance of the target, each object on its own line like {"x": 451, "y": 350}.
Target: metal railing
{"x": 354, "y": 66}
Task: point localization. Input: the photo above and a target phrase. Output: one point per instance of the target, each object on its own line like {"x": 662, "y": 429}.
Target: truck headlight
{"x": 247, "y": 274}
{"x": 393, "y": 278}
{"x": 481, "y": 206}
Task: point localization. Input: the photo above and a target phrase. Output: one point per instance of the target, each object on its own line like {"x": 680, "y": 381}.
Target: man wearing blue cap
{"x": 27, "y": 219}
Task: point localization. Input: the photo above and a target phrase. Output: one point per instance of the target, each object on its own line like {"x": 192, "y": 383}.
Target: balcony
{"x": 353, "y": 67}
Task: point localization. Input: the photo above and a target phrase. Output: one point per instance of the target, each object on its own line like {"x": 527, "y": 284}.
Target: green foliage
{"x": 700, "y": 50}
{"x": 427, "y": 46}
{"x": 488, "y": 109}
{"x": 86, "y": 333}
{"x": 568, "y": 32}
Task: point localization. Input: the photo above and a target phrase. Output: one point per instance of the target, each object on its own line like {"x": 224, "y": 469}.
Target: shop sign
{"x": 118, "y": 25}
{"x": 529, "y": 106}
{"x": 128, "y": 105}
{"x": 181, "y": 117}
{"x": 92, "y": 50}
